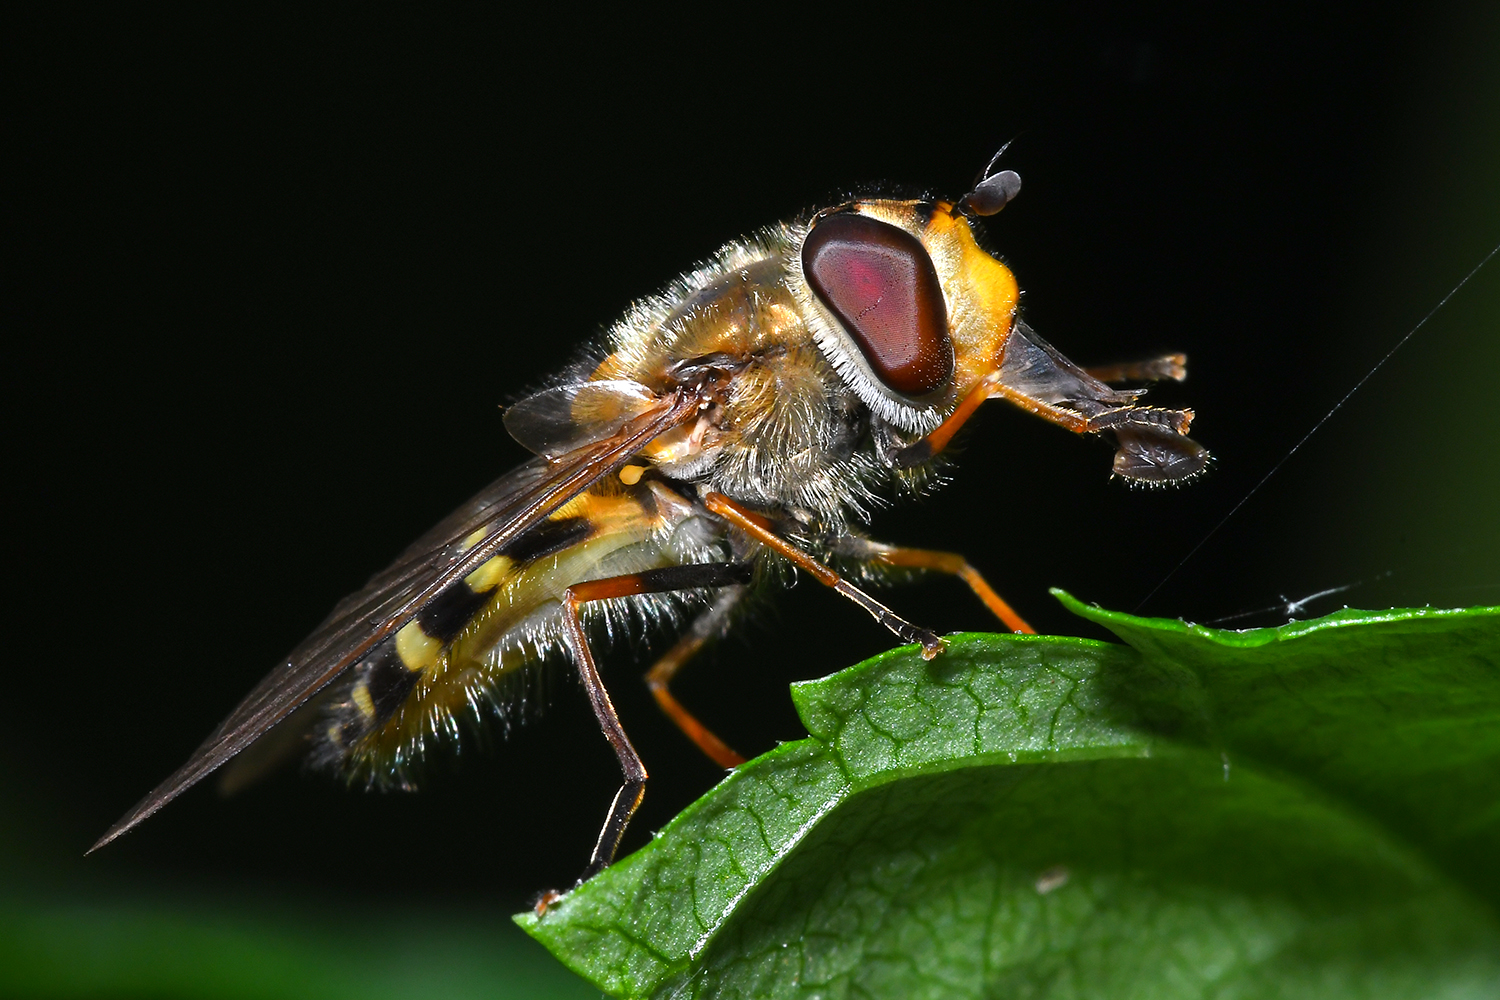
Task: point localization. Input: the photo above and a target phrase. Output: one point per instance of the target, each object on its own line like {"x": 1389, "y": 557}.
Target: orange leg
{"x": 760, "y": 529}
{"x": 704, "y": 629}
{"x": 936, "y": 441}
{"x": 1176, "y": 421}
{"x": 1105, "y": 415}
{"x": 990, "y": 386}
{"x": 950, "y": 563}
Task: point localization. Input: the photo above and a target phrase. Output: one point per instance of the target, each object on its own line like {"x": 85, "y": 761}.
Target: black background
{"x": 277, "y": 270}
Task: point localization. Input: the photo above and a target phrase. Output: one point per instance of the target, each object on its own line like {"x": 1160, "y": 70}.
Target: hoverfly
{"x": 738, "y": 424}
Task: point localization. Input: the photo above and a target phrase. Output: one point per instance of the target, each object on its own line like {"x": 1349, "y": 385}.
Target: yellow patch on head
{"x": 982, "y": 294}
{"x": 489, "y": 575}
{"x": 417, "y": 649}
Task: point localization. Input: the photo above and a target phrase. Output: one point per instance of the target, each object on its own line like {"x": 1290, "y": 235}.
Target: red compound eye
{"x": 880, "y": 283}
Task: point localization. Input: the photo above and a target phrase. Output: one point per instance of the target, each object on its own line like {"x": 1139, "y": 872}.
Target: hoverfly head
{"x": 903, "y": 302}
{"x": 879, "y": 314}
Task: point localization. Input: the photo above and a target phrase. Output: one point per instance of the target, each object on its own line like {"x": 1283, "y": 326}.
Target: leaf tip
{"x": 1067, "y": 600}
{"x": 1083, "y": 609}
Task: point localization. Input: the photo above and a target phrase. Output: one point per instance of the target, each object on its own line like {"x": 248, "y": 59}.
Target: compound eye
{"x": 879, "y": 282}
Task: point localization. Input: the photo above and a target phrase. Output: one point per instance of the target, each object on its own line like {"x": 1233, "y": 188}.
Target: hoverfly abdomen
{"x": 380, "y": 685}
{"x": 358, "y": 734}
{"x": 467, "y": 651}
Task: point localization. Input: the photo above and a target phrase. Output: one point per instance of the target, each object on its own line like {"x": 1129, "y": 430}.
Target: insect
{"x": 737, "y": 425}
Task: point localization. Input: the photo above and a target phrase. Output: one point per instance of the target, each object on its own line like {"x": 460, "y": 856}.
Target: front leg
{"x": 1168, "y": 366}
{"x": 1151, "y": 444}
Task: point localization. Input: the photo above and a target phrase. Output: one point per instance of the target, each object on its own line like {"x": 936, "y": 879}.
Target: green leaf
{"x": 1395, "y": 714}
{"x": 1303, "y": 811}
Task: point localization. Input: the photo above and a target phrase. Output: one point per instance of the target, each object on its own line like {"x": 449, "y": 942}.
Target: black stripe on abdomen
{"x": 445, "y": 616}
{"x": 547, "y": 538}
{"x": 380, "y": 686}
{"x": 388, "y": 681}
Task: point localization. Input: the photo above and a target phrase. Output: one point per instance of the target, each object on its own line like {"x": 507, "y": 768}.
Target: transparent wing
{"x": 556, "y": 421}
{"x": 392, "y": 598}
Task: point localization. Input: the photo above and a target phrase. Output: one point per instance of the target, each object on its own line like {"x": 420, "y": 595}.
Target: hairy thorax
{"x": 786, "y": 432}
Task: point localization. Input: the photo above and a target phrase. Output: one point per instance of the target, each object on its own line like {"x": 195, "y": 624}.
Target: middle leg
{"x": 705, "y": 628}
{"x": 760, "y": 529}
